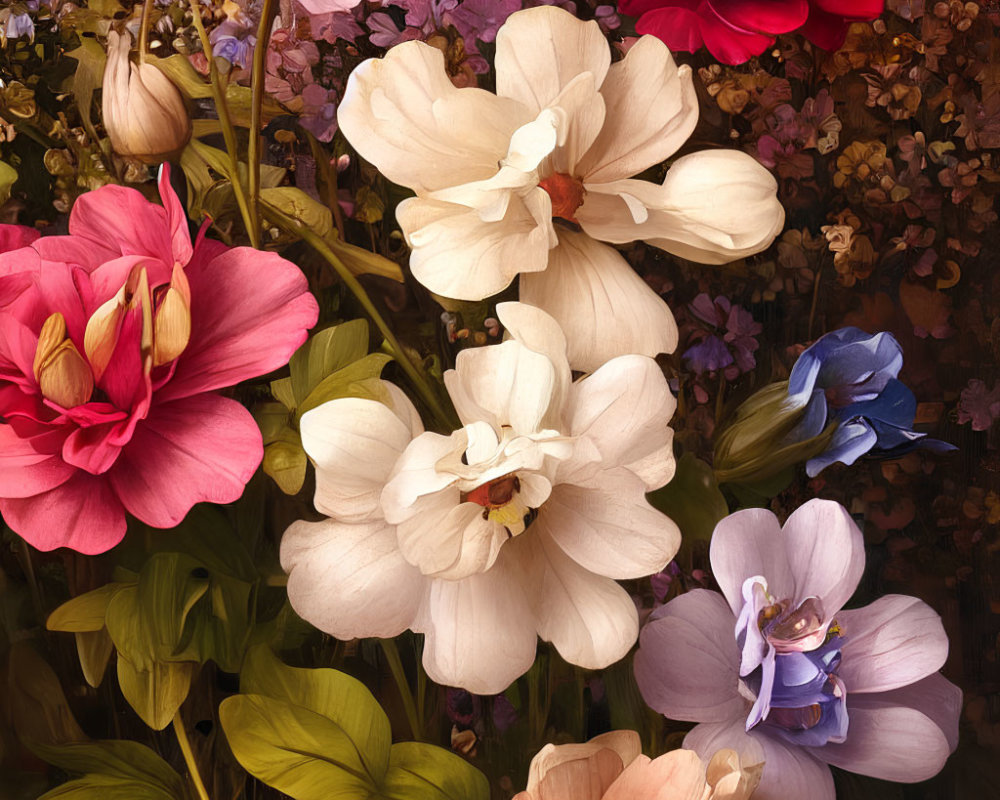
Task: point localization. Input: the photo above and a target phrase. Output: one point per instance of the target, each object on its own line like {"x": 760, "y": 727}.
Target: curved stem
{"x": 399, "y": 675}
{"x": 416, "y": 375}
{"x": 228, "y": 131}
{"x": 192, "y": 765}
{"x": 267, "y": 15}
{"x": 147, "y": 7}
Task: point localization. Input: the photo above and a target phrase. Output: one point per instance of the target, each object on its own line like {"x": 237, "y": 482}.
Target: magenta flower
{"x": 735, "y": 30}
{"x": 113, "y": 340}
{"x": 15, "y": 236}
{"x": 803, "y": 683}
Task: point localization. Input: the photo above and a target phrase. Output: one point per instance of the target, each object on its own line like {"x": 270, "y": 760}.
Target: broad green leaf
{"x": 108, "y": 789}
{"x": 285, "y": 462}
{"x": 169, "y": 586}
{"x": 157, "y": 691}
{"x": 301, "y": 753}
{"x": 8, "y": 177}
{"x": 272, "y": 419}
{"x": 420, "y": 771}
{"x": 86, "y": 78}
{"x": 358, "y": 380}
{"x": 338, "y": 697}
{"x": 692, "y": 499}
{"x": 364, "y": 262}
{"x": 84, "y": 612}
{"x": 94, "y": 650}
{"x": 220, "y": 625}
{"x": 112, "y": 763}
{"x": 326, "y": 352}
{"x": 283, "y": 392}
{"x": 35, "y": 699}
{"x": 297, "y": 204}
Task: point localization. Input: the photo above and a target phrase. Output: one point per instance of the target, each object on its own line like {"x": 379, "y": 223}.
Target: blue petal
{"x": 851, "y": 440}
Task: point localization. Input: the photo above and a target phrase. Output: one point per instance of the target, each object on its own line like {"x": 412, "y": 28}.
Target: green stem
{"x": 192, "y": 765}
{"x": 147, "y": 7}
{"x": 329, "y": 175}
{"x": 228, "y": 131}
{"x": 815, "y": 298}
{"x": 399, "y": 675}
{"x": 267, "y": 15}
{"x": 416, "y": 375}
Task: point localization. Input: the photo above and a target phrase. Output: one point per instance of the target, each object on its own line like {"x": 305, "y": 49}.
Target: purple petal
{"x": 746, "y": 544}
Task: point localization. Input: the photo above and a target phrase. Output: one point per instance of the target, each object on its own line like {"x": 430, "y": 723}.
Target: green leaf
{"x": 356, "y": 380}
{"x": 86, "y": 78}
{"x": 364, "y": 262}
{"x": 155, "y": 692}
{"x": 285, "y": 462}
{"x": 297, "y": 204}
{"x": 84, "y": 612}
{"x": 338, "y": 697}
{"x": 8, "y": 177}
{"x": 35, "y": 700}
{"x": 114, "y": 766}
{"x": 326, "y": 352}
{"x": 272, "y": 419}
{"x": 94, "y": 651}
{"x": 420, "y": 771}
{"x": 302, "y": 754}
{"x": 692, "y": 499}
{"x": 283, "y": 393}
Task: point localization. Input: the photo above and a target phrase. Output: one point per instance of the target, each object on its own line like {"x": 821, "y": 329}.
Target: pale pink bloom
{"x": 114, "y": 340}
{"x": 533, "y": 179}
{"x": 802, "y": 679}
{"x": 612, "y": 767}
{"x": 515, "y": 526}
{"x": 327, "y": 6}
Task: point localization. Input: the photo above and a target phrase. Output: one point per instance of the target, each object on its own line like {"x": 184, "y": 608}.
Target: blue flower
{"x": 849, "y": 377}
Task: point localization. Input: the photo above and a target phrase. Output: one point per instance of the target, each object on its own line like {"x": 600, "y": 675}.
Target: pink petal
{"x": 30, "y": 466}
{"x": 82, "y": 514}
{"x": 826, "y": 553}
{"x": 177, "y": 220}
{"x": 677, "y": 775}
{"x": 850, "y": 9}
{"x": 687, "y": 665}
{"x": 250, "y": 310}
{"x": 894, "y": 642}
{"x": 905, "y": 735}
{"x": 744, "y": 545}
{"x": 201, "y": 449}
{"x": 728, "y": 43}
{"x": 763, "y": 16}
{"x": 677, "y": 28}
{"x": 121, "y": 218}
{"x": 825, "y": 30}
{"x": 13, "y": 237}
{"x": 789, "y": 771}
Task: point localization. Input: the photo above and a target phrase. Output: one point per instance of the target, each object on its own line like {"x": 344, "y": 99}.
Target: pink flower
{"x": 735, "y": 30}
{"x": 803, "y": 680}
{"x": 114, "y": 340}
{"x": 15, "y": 236}
{"x": 612, "y": 767}
{"x": 979, "y": 405}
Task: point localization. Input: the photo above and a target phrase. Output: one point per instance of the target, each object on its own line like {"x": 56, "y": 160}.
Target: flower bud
{"x": 63, "y": 375}
{"x": 768, "y": 435}
{"x": 144, "y": 114}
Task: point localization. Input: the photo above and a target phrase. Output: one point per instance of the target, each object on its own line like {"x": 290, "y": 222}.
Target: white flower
{"x": 560, "y": 139}
{"x": 517, "y": 524}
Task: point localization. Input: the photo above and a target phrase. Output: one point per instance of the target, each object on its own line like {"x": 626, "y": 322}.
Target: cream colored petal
{"x": 480, "y": 632}
{"x": 507, "y": 384}
{"x": 579, "y": 109}
{"x": 604, "y": 308}
{"x": 590, "y": 619}
{"x": 415, "y": 475}
{"x": 354, "y": 444}
{"x": 350, "y": 580}
{"x": 677, "y": 775}
{"x": 456, "y": 254}
{"x": 403, "y": 114}
{"x": 714, "y": 206}
{"x": 540, "y": 50}
{"x": 652, "y": 109}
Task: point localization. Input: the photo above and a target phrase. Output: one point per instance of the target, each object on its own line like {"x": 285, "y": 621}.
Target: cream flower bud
{"x": 63, "y": 375}
{"x": 144, "y": 114}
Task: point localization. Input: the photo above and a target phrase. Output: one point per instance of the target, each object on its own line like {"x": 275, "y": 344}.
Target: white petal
{"x": 826, "y": 553}
{"x": 714, "y": 206}
{"x": 403, "y": 114}
{"x": 449, "y": 539}
{"x": 416, "y": 476}
{"x": 789, "y": 772}
{"x": 537, "y": 331}
{"x": 590, "y": 619}
{"x": 504, "y": 384}
{"x": 893, "y": 642}
{"x": 540, "y": 50}
{"x": 581, "y": 111}
{"x": 745, "y": 544}
{"x": 480, "y": 631}
{"x": 608, "y": 527}
{"x": 603, "y": 307}
{"x": 355, "y": 444}
{"x": 897, "y": 736}
{"x": 687, "y": 664}
{"x": 652, "y": 110}
{"x": 350, "y": 580}
{"x": 624, "y": 408}
{"x": 455, "y": 253}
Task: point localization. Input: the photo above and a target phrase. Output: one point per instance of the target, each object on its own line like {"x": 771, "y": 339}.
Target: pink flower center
{"x": 567, "y": 195}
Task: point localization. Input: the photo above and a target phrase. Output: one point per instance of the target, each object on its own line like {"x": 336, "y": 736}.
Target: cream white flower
{"x": 559, "y": 140}
{"x": 516, "y": 525}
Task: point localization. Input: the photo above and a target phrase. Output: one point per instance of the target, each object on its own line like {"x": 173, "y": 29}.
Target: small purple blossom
{"x": 732, "y": 347}
{"x": 979, "y": 405}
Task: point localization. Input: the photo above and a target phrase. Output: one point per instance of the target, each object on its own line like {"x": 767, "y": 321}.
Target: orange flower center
{"x": 567, "y": 195}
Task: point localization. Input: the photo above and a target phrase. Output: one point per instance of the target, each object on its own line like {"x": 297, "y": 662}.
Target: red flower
{"x": 735, "y": 30}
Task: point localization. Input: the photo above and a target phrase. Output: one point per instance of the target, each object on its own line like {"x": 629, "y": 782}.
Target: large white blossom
{"x": 515, "y": 526}
{"x": 558, "y": 143}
